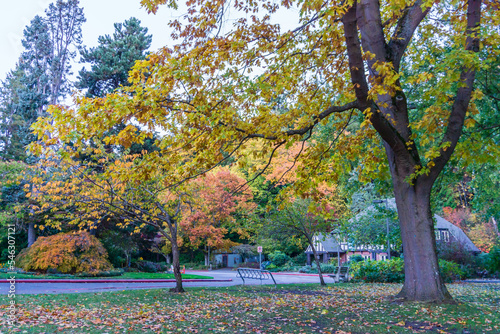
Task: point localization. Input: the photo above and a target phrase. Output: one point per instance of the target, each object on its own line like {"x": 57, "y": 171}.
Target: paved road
{"x": 223, "y": 274}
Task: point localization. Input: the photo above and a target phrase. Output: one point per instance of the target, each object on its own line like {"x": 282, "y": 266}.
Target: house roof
{"x": 325, "y": 244}
{"x": 328, "y": 244}
{"x": 457, "y": 233}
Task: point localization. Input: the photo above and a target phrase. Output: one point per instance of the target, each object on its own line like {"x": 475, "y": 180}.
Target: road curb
{"x": 112, "y": 280}
{"x": 296, "y": 274}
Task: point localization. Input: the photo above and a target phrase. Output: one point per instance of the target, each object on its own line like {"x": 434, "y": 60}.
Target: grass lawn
{"x": 124, "y": 276}
{"x": 342, "y": 308}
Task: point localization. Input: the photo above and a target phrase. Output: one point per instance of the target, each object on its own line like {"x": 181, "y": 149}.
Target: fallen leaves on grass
{"x": 335, "y": 309}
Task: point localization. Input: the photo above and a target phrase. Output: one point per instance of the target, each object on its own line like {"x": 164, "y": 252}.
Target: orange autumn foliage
{"x": 483, "y": 234}
{"x": 66, "y": 252}
{"x": 216, "y": 199}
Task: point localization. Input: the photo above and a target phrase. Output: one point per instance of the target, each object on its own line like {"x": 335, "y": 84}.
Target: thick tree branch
{"x": 318, "y": 118}
{"x": 356, "y": 65}
{"x": 370, "y": 17}
{"x": 404, "y": 31}
{"x": 463, "y": 96}
{"x": 323, "y": 115}
{"x": 389, "y": 114}
{"x": 263, "y": 169}
{"x": 372, "y": 33}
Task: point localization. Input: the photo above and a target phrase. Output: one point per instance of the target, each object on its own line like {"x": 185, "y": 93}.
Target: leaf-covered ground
{"x": 343, "y": 308}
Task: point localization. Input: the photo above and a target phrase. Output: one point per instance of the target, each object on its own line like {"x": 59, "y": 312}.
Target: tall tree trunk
{"x": 207, "y": 254}
{"x": 127, "y": 258}
{"x": 172, "y": 237}
{"x": 495, "y": 225}
{"x": 316, "y": 259}
{"x": 31, "y": 225}
{"x": 31, "y": 234}
{"x": 208, "y": 258}
{"x": 177, "y": 267}
{"x": 321, "y": 279}
{"x": 423, "y": 281}
{"x": 166, "y": 257}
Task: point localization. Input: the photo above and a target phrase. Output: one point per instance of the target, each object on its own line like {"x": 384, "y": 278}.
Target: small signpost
{"x": 259, "y": 249}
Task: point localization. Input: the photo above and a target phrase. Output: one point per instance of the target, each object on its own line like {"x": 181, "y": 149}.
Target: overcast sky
{"x": 100, "y": 15}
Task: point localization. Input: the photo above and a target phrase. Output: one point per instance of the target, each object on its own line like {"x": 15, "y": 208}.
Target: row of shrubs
{"x": 392, "y": 271}
{"x": 280, "y": 261}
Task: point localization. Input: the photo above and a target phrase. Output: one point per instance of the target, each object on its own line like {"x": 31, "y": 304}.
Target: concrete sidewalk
{"x": 106, "y": 280}
{"x": 481, "y": 280}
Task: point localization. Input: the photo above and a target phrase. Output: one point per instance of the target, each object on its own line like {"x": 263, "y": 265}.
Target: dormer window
{"x": 443, "y": 234}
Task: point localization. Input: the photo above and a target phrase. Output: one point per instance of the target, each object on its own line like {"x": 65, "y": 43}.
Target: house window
{"x": 383, "y": 257}
{"x": 446, "y": 236}
{"x": 438, "y": 234}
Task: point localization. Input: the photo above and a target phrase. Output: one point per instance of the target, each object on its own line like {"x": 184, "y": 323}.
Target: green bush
{"x": 195, "y": 256}
{"x": 391, "y": 271}
{"x": 356, "y": 258}
{"x": 305, "y": 269}
{"x": 151, "y": 267}
{"x": 271, "y": 266}
{"x": 326, "y": 268}
{"x": 300, "y": 259}
{"x": 289, "y": 266}
{"x": 492, "y": 260}
{"x": 450, "y": 271}
{"x": 455, "y": 252}
{"x": 279, "y": 258}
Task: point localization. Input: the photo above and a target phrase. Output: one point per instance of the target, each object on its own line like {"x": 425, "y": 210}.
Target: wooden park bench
{"x": 340, "y": 274}
{"x": 251, "y": 273}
